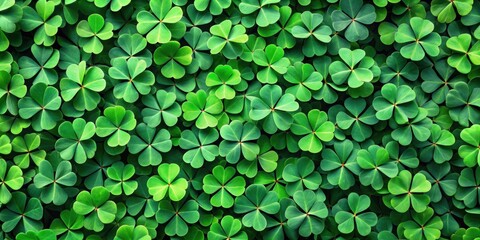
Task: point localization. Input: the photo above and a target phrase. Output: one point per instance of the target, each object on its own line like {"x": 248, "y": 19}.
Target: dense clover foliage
{"x": 239, "y": 119}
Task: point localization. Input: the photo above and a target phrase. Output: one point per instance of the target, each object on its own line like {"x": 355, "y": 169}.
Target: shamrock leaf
{"x": 356, "y": 69}
{"x": 215, "y": 7}
{"x": 305, "y": 80}
{"x": 11, "y": 90}
{"x": 227, "y": 39}
{"x": 43, "y": 20}
{"x": 464, "y": 55}
{"x": 227, "y": 228}
{"x": 52, "y": 182}
{"x": 444, "y": 182}
{"x": 340, "y": 164}
{"x": 353, "y": 17}
{"x": 357, "y": 118}
{"x": 308, "y": 213}
{"x": 114, "y": 124}
{"x": 162, "y": 23}
{"x": 470, "y": 152}
{"x": 198, "y": 42}
{"x": 444, "y": 10}
{"x": 131, "y": 46}
{"x": 202, "y": 108}
{"x": 315, "y": 35}
{"x": 150, "y": 144}
{"x": 397, "y": 102}
{"x": 301, "y": 175}
{"x": 9, "y": 180}
{"x": 22, "y": 214}
{"x": 223, "y": 185}
{"x": 438, "y": 80}
{"x": 134, "y": 79}
{"x": 256, "y": 202}
{"x": 375, "y": 163}
{"x": 438, "y": 146}
{"x": 222, "y": 80}
{"x": 68, "y": 225}
{"x": 200, "y": 146}
{"x": 96, "y": 207}
{"x": 274, "y": 108}
{"x": 172, "y": 57}
{"x": 418, "y": 127}
{"x": 398, "y": 69}
{"x": 91, "y": 33}
{"x": 115, "y": 5}
{"x": 350, "y": 215}
{"x": 162, "y": 106}
{"x": 237, "y": 140}
{"x": 424, "y": 225}
{"x": 76, "y": 142}
{"x": 315, "y": 129}
{"x": 418, "y": 38}
{"x": 272, "y": 58}
{"x": 469, "y": 182}
{"x": 408, "y": 191}
{"x": 118, "y": 181}
{"x": 177, "y": 214}
{"x": 267, "y": 12}
{"x": 167, "y": 181}
{"x": 282, "y": 29}
{"x": 42, "y": 68}
{"x": 26, "y": 149}
{"x": 463, "y": 102}
{"x": 82, "y": 86}
{"x": 42, "y": 107}
{"x": 126, "y": 232}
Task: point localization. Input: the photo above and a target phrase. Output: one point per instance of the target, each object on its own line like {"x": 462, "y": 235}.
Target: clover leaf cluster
{"x": 239, "y": 119}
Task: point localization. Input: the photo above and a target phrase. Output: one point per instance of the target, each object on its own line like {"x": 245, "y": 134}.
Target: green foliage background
{"x": 239, "y": 119}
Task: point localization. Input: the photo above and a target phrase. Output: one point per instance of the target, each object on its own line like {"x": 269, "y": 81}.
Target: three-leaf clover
{"x": 115, "y": 125}
{"x": 353, "y": 17}
{"x": 42, "y": 68}
{"x": 409, "y": 191}
{"x": 177, "y": 214}
{"x": 375, "y": 163}
{"x": 228, "y": 228}
{"x": 424, "y": 225}
{"x": 162, "y": 23}
{"x": 357, "y": 118}
{"x": 444, "y": 9}
{"x": 222, "y": 80}
{"x": 118, "y": 181}
{"x": 96, "y": 207}
{"x": 315, "y": 35}
{"x": 301, "y": 174}
{"x": 418, "y": 38}
{"x": 273, "y": 59}
{"x": 42, "y": 107}
{"x": 173, "y": 59}
{"x": 274, "y": 108}
{"x": 340, "y": 164}
{"x": 82, "y": 86}
{"x": 349, "y": 214}
{"x": 222, "y": 184}
{"x": 308, "y": 213}
{"x": 11, "y": 90}
{"x": 315, "y": 129}
{"x": 202, "y": 108}
{"x": 266, "y": 10}
{"x": 200, "y": 146}
{"x": 9, "y": 180}
{"x": 355, "y": 68}
{"x": 256, "y": 202}
{"x": 43, "y": 20}
{"x": 161, "y": 106}
{"x": 22, "y": 214}
{"x": 305, "y": 79}
{"x": 134, "y": 79}
{"x": 398, "y": 102}
{"x": 75, "y": 142}
{"x": 150, "y": 144}
{"x": 237, "y": 141}
{"x": 92, "y": 32}
{"x": 470, "y": 152}
{"x": 227, "y": 39}
{"x": 464, "y": 55}
{"x": 167, "y": 181}
{"x": 52, "y": 182}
